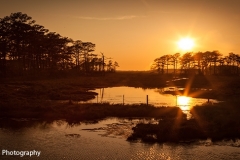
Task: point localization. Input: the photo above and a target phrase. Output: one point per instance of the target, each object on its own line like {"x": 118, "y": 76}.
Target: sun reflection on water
{"x": 184, "y": 103}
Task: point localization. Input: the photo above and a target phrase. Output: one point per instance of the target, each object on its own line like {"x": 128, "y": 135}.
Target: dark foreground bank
{"x": 217, "y": 122}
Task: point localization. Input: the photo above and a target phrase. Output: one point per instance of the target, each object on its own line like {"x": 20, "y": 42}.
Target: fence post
{"x": 147, "y": 100}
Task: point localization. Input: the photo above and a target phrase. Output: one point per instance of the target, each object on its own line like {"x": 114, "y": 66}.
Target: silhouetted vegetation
{"x": 205, "y": 63}
{"x": 218, "y": 122}
{"x": 168, "y": 130}
{"x": 93, "y": 111}
{"x": 29, "y": 48}
{"x": 40, "y": 81}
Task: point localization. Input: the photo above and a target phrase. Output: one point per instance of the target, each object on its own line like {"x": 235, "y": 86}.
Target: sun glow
{"x": 183, "y": 101}
{"x": 186, "y": 44}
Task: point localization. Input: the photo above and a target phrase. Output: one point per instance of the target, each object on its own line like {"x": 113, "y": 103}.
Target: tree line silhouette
{"x": 27, "y": 47}
{"x": 206, "y": 63}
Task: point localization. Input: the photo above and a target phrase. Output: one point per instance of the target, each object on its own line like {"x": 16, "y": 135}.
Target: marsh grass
{"x": 168, "y": 130}
{"x": 89, "y": 111}
{"x": 215, "y": 121}
{"x": 219, "y": 121}
{"x": 38, "y": 97}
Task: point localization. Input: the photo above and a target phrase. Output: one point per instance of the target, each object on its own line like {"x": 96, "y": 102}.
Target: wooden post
{"x": 123, "y": 99}
{"x": 147, "y": 100}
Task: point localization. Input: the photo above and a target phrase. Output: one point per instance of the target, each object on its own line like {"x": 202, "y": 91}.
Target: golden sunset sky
{"x": 135, "y": 32}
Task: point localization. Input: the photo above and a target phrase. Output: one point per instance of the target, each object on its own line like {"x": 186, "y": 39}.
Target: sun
{"x": 186, "y": 44}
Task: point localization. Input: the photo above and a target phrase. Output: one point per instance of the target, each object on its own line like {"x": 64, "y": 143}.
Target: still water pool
{"x": 104, "y": 139}
{"x": 131, "y": 95}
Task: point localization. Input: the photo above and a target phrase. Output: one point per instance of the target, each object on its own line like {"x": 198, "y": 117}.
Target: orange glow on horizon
{"x": 134, "y": 33}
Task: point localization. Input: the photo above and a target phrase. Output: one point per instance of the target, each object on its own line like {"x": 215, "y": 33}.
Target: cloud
{"x": 110, "y": 18}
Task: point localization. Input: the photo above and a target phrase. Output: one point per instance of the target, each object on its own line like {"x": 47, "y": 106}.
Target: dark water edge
{"x": 102, "y": 140}
{"x": 217, "y": 122}
{"x": 144, "y": 130}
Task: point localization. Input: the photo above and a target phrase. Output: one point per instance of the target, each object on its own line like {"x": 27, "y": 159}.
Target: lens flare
{"x": 183, "y": 102}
